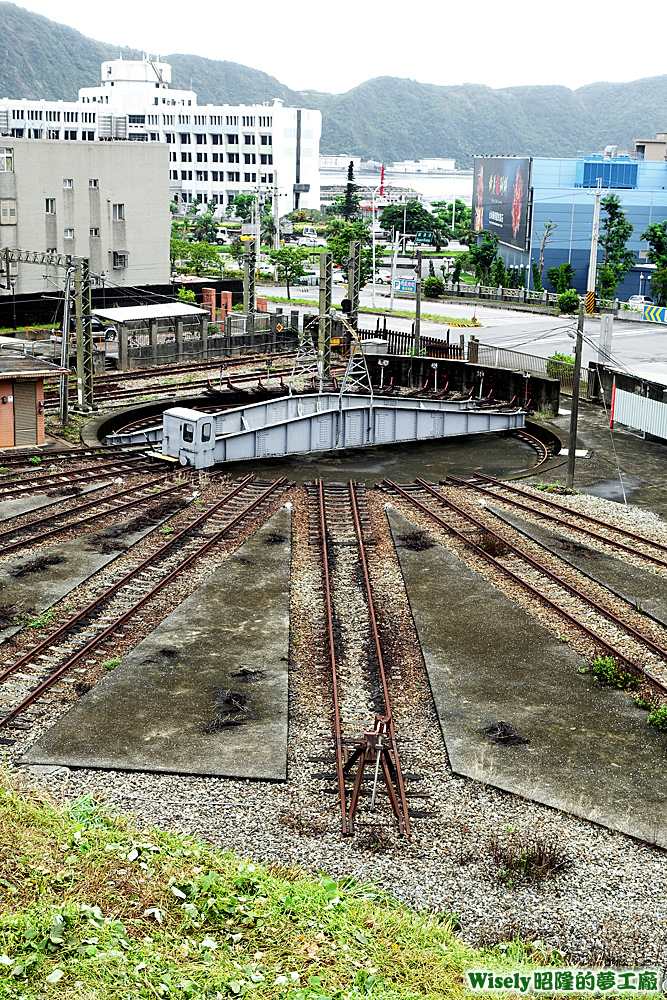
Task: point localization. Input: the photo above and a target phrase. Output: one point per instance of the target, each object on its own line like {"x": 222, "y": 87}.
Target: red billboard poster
{"x": 501, "y": 198}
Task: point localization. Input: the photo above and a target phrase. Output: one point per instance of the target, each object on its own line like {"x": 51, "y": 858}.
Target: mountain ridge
{"x": 386, "y": 118}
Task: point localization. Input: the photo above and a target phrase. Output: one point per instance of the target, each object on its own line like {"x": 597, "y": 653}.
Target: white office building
{"x": 215, "y": 151}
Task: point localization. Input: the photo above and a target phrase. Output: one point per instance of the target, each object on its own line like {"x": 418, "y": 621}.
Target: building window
{"x": 248, "y": 140}
{"x": 71, "y": 116}
{"x": 53, "y": 133}
{"x": 8, "y": 212}
{"x": 201, "y": 140}
{"x": 6, "y": 160}
{"x": 93, "y": 182}
{"x": 266, "y": 140}
{"x": 185, "y": 138}
{"x": 119, "y": 259}
{"x": 270, "y": 178}
{"x": 94, "y": 233}
{"x": 88, "y": 136}
{"x": 216, "y": 140}
{"x": 254, "y": 178}
{"x": 233, "y": 175}
{"x": 265, "y": 122}
{"x": 174, "y": 175}
{"x": 248, "y": 122}
{"x": 232, "y": 120}
{"x": 68, "y": 182}
{"x": 136, "y": 119}
{"x": 50, "y": 206}
{"x": 118, "y": 213}
{"x": 232, "y": 140}
{"x": 68, "y": 234}
{"x": 70, "y": 134}
{"x": 169, "y": 137}
{"x": 214, "y": 175}
{"x": 233, "y": 157}
{"x": 246, "y": 178}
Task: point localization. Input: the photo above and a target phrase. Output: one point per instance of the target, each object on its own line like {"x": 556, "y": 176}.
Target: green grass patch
{"x": 96, "y": 908}
{"x": 606, "y": 670}
{"x": 110, "y": 664}
{"x": 658, "y": 718}
{"x": 403, "y": 313}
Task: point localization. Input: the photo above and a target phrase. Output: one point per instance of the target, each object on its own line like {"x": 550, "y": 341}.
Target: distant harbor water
{"x": 441, "y": 185}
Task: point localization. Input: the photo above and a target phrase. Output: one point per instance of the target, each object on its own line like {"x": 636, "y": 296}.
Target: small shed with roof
{"x": 22, "y": 399}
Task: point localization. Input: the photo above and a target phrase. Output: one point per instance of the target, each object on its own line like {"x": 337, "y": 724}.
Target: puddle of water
{"x": 497, "y": 455}
{"x": 610, "y": 489}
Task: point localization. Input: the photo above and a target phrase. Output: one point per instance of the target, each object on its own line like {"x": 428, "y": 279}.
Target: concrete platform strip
{"x": 637, "y": 585}
{"x": 206, "y": 691}
{"x": 67, "y": 566}
{"x": 589, "y": 750}
{"x": 37, "y": 501}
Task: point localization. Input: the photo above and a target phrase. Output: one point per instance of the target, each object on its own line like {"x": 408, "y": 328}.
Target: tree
{"x": 546, "y": 238}
{"x": 462, "y": 218}
{"x": 339, "y": 241}
{"x": 243, "y": 204}
{"x": 656, "y": 237}
{"x": 568, "y": 301}
{"x": 200, "y": 256}
{"x": 290, "y": 261}
{"x": 433, "y": 287}
{"x": 186, "y": 294}
{"x": 537, "y": 277}
{"x": 616, "y": 231}
{"x": 659, "y": 285}
{"x": 561, "y": 277}
{"x": 350, "y": 206}
{"x": 498, "y": 274}
{"x": 417, "y": 218}
{"x": 482, "y": 254}
{"x": 205, "y": 228}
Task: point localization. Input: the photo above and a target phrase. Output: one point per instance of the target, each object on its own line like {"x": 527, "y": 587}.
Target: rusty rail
{"x": 540, "y": 567}
{"x": 112, "y": 590}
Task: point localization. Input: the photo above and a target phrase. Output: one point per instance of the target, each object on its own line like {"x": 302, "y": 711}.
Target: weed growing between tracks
{"x": 94, "y": 905}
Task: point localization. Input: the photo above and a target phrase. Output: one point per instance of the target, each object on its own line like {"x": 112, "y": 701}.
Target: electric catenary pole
{"x": 593, "y": 262}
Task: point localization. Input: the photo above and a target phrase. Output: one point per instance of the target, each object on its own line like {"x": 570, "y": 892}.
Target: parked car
{"x": 312, "y": 241}
{"x": 99, "y": 329}
{"x": 639, "y": 301}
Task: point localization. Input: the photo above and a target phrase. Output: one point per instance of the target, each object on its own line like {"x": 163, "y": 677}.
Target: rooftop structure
{"x": 215, "y": 151}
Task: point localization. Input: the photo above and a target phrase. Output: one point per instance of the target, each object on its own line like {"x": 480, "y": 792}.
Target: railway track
{"x": 184, "y": 368}
{"x": 45, "y": 482}
{"x": 90, "y": 627}
{"x": 103, "y": 395}
{"x": 564, "y": 517}
{"x": 364, "y": 734}
{"x": 98, "y": 510}
{"x": 9, "y": 463}
{"x": 572, "y": 604}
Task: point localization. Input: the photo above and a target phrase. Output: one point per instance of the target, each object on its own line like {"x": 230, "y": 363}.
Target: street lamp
{"x": 641, "y": 282}
{"x": 103, "y": 278}
{"x": 373, "y": 193}
{"x": 12, "y": 282}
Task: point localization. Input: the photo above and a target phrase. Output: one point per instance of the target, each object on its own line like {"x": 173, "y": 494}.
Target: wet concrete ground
{"x": 589, "y": 750}
{"x": 496, "y": 454}
{"x": 36, "y": 501}
{"x": 643, "y": 464}
{"x": 206, "y": 692}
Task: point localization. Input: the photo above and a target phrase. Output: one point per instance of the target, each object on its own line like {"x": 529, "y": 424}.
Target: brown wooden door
{"x": 25, "y": 413}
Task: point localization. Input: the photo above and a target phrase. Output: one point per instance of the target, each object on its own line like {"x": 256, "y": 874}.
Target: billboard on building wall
{"x": 501, "y": 196}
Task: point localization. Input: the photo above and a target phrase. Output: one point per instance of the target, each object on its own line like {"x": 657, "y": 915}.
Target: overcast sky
{"x": 335, "y": 46}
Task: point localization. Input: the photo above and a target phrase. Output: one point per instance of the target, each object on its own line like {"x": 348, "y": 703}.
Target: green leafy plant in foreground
{"x": 606, "y": 670}
{"x": 101, "y": 909}
{"x": 658, "y": 717}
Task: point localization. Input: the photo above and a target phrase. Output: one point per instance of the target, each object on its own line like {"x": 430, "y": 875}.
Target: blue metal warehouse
{"x": 563, "y": 190}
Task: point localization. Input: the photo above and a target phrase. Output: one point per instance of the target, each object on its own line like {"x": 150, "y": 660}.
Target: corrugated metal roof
{"x": 25, "y": 364}
{"x": 170, "y": 310}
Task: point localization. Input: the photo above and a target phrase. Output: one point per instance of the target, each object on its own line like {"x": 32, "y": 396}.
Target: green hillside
{"x": 386, "y": 118}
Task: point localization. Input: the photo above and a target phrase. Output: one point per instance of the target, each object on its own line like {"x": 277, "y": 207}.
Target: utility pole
{"x": 64, "y": 354}
{"x": 248, "y": 279}
{"x": 574, "y": 414}
{"x": 604, "y": 343}
{"x": 418, "y": 305}
{"x": 78, "y": 313}
{"x": 324, "y": 343}
{"x": 354, "y": 281}
{"x": 276, "y": 213}
{"x": 393, "y": 271}
{"x": 593, "y": 262}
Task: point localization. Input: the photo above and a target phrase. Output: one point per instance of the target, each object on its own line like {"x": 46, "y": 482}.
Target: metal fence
{"x": 501, "y": 357}
{"x": 403, "y": 342}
